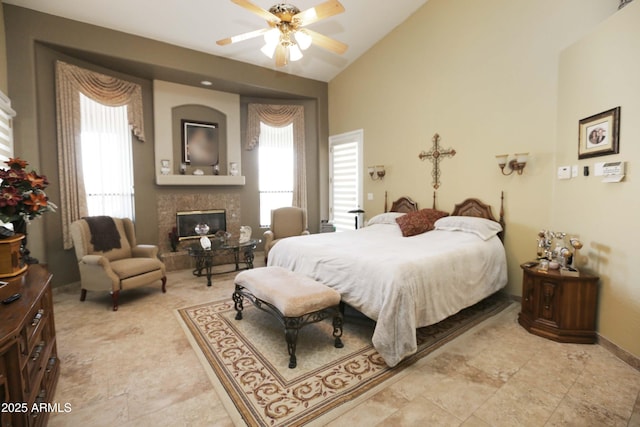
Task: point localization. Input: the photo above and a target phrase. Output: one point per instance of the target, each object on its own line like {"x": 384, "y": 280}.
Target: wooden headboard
{"x": 474, "y": 207}
{"x": 469, "y": 207}
{"x": 404, "y": 205}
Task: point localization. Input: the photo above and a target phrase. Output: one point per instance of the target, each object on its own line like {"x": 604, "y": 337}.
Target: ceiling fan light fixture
{"x": 272, "y": 37}
{"x": 303, "y": 39}
{"x": 287, "y": 36}
{"x": 295, "y": 53}
{"x": 269, "y": 50}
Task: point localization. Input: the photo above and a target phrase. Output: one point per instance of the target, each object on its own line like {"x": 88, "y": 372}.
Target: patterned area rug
{"x": 247, "y": 360}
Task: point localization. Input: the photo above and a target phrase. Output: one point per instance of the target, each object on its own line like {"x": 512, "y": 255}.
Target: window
{"x": 345, "y": 178}
{"x": 6, "y": 129}
{"x": 107, "y": 162}
{"x": 275, "y": 165}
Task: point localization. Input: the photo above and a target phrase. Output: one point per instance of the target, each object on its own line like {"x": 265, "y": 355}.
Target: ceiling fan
{"x": 287, "y": 36}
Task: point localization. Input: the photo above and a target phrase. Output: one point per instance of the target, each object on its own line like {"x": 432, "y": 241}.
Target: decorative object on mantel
{"x": 623, "y": 3}
{"x": 435, "y": 155}
{"x": 233, "y": 169}
{"x": 22, "y": 198}
{"x": 165, "y": 167}
{"x": 198, "y": 172}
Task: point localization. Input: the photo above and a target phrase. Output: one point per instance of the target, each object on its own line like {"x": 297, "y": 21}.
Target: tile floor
{"x": 136, "y": 368}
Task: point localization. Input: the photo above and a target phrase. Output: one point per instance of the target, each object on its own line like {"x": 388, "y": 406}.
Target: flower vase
{"x": 20, "y": 226}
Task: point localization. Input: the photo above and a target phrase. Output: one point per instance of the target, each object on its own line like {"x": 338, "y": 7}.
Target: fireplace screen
{"x": 186, "y": 222}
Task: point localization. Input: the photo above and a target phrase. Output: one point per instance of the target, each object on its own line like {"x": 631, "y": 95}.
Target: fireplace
{"x": 170, "y": 203}
{"x": 186, "y": 222}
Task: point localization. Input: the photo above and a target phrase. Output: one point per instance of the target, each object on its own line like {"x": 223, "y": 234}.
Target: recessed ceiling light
{"x": 206, "y": 83}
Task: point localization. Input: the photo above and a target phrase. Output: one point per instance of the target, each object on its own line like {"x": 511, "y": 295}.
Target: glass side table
{"x": 205, "y": 257}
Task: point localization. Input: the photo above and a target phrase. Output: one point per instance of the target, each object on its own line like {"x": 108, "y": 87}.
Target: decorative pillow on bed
{"x": 482, "y": 227}
{"x": 419, "y": 222}
{"x": 385, "y": 218}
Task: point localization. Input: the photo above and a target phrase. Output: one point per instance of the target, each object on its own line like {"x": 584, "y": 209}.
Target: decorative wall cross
{"x": 435, "y": 155}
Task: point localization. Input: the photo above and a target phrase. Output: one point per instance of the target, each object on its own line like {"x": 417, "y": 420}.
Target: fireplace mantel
{"x": 205, "y": 180}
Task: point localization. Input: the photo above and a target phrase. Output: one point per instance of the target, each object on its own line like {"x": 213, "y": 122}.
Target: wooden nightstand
{"x": 557, "y": 307}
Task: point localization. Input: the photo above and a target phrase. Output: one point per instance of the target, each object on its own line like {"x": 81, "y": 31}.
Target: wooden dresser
{"x": 561, "y": 308}
{"x": 29, "y": 365}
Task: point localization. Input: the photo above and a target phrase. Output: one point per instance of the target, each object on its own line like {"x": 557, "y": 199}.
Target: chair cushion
{"x": 130, "y": 267}
{"x": 287, "y": 222}
{"x": 291, "y": 293}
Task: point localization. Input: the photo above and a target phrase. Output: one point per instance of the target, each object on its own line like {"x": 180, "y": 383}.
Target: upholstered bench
{"x": 295, "y": 300}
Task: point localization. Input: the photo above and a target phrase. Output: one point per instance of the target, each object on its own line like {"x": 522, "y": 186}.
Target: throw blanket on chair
{"x": 104, "y": 234}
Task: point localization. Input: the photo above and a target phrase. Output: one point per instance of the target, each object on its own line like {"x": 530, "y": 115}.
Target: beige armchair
{"x": 285, "y": 222}
{"x": 110, "y": 259}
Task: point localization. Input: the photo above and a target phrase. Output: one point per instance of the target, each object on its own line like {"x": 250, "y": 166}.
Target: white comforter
{"x": 400, "y": 282}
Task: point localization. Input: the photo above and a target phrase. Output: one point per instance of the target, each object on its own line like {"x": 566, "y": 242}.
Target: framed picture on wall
{"x": 599, "y": 134}
{"x": 200, "y": 145}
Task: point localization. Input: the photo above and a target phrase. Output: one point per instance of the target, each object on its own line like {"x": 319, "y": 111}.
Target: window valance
{"x": 104, "y": 89}
{"x": 274, "y": 116}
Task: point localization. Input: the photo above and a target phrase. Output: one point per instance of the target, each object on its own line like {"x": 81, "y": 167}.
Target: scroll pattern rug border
{"x": 263, "y": 397}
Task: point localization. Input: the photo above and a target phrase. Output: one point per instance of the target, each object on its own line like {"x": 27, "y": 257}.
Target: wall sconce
{"x": 377, "y": 172}
{"x": 516, "y": 164}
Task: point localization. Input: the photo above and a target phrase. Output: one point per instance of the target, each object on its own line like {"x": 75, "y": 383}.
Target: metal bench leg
{"x": 237, "y": 300}
{"x": 337, "y": 329}
{"x": 291, "y": 328}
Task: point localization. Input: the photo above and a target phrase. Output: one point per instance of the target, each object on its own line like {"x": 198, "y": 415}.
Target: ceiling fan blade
{"x": 265, "y": 14}
{"x": 281, "y": 55}
{"x": 316, "y": 13}
{"x": 327, "y": 42}
{"x": 242, "y": 37}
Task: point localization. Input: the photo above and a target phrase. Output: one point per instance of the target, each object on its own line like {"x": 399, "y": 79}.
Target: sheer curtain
{"x": 107, "y": 90}
{"x": 281, "y": 116}
{"x": 106, "y": 153}
{"x": 275, "y": 170}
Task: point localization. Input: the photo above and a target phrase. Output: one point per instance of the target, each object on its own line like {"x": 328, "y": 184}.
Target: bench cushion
{"x": 293, "y": 294}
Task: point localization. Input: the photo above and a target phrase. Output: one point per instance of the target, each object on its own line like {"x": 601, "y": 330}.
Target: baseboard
{"x": 620, "y": 353}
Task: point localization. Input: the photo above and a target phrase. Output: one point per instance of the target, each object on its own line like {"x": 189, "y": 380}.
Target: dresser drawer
{"x": 36, "y": 319}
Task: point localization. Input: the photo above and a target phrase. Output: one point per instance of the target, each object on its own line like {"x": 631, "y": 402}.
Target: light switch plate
{"x": 369, "y": 196}
{"x": 574, "y": 171}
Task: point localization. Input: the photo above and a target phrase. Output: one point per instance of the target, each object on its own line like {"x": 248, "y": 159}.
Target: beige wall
{"x": 598, "y": 73}
{"x": 484, "y": 75}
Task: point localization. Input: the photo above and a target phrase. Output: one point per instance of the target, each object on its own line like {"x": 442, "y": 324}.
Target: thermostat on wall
{"x": 613, "y": 171}
{"x": 564, "y": 172}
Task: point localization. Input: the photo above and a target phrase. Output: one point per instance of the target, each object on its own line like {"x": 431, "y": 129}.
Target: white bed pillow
{"x": 385, "y": 218}
{"x": 482, "y": 227}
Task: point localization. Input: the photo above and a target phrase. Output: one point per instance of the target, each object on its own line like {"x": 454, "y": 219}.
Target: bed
{"x": 404, "y": 283}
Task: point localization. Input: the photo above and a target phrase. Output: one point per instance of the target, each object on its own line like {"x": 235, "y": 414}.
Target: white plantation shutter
{"x": 6, "y": 129}
{"x": 345, "y": 174}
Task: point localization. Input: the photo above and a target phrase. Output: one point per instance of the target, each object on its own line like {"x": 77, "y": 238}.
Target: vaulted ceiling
{"x": 197, "y": 24}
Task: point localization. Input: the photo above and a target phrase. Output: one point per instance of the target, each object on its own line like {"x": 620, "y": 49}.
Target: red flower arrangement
{"x": 22, "y": 193}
